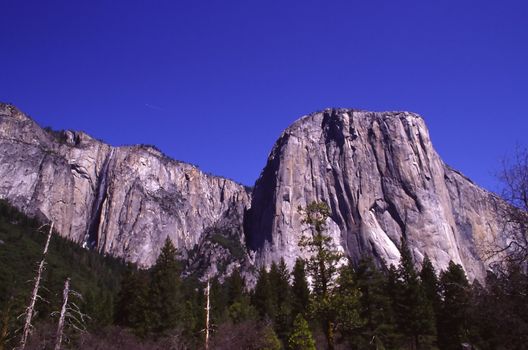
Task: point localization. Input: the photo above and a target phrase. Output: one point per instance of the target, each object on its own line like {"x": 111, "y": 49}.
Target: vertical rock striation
{"x": 382, "y": 179}
{"x": 378, "y": 172}
{"x": 122, "y": 201}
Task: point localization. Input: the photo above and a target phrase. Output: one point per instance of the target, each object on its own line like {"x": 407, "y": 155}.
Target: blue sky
{"x": 214, "y": 83}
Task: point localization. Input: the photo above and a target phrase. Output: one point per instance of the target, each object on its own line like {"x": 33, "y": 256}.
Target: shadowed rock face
{"x": 123, "y": 201}
{"x": 382, "y": 180}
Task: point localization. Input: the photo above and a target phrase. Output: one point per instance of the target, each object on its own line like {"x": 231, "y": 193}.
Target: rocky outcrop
{"x": 382, "y": 180}
{"x": 122, "y": 201}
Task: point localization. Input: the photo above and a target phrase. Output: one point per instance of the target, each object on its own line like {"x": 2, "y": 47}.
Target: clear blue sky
{"x": 215, "y": 82}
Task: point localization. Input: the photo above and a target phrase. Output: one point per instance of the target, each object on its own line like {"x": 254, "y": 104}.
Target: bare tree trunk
{"x": 60, "y": 328}
{"x": 34, "y": 295}
{"x": 207, "y": 308}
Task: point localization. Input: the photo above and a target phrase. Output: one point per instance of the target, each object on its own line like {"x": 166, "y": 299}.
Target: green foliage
{"x": 375, "y": 308}
{"x": 165, "y": 293}
{"x": 366, "y": 308}
{"x": 270, "y": 341}
{"x": 324, "y": 258}
{"x": 301, "y": 338}
{"x": 346, "y": 304}
{"x": 300, "y": 290}
{"x": 21, "y": 245}
{"x": 453, "y": 317}
{"x": 219, "y": 302}
{"x": 322, "y": 266}
{"x": 430, "y": 283}
{"x": 499, "y": 311}
{"x": 262, "y": 297}
{"x": 132, "y": 307}
{"x": 241, "y": 310}
{"x": 413, "y": 311}
{"x": 232, "y": 245}
{"x": 236, "y": 286}
{"x": 279, "y": 278}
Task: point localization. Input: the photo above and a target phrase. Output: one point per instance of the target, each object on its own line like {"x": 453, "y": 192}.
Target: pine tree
{"x": 430, "y": 283}
{"x": 283, "y": 283}
{"x": 99, "y": 307}
{"x": 274, "y": 278}
{"x": 240, "y": 308}
{"x": 279, "y": 278}
{"x": 431, "y": 287}
{"x": 263, "y": 296}
{"x": 414, "y": 313}
{"x": 269, "y": 340}
{"x": 235, "y": 287}
{"x": 345, "y": 303}
{"x": 321, "y": 266}
{"x": 133, "y": 302}
{"x": 166, "y": 298}
{"x": 301, "y": 337}
{"x": 300, "y": 290}
{"x": 453, "y": 320}
{"x": 219, "y": 302}
{"x": 375, "y": 307}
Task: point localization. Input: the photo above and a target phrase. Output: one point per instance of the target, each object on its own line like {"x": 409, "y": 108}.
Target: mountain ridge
{"x": 377, "y": 170}
{"x": 147, "y": 198}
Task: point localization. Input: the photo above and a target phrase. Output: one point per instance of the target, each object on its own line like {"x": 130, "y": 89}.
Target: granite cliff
{"x": 122, "y": 201}
{"x": 378, "y": 172}
{"x": 382, "y": 180}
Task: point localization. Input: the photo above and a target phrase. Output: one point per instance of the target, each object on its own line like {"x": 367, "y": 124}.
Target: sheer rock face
{"x": 382, "y": 180}
{"x": 123, "y": 201}
{"x": 378, "y": 172}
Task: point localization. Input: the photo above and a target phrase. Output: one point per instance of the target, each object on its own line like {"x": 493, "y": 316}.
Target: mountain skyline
{"x": 378, "y": 172}
{"x": 192, "y": 78}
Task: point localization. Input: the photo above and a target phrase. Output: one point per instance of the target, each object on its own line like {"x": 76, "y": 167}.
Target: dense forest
{"x": 361, "y": 306}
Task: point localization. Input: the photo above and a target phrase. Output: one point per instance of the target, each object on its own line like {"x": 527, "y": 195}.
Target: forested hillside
{"x": 348, "y": 307}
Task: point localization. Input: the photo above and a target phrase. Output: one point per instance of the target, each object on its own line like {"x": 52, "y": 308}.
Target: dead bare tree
{"x": 513, "y": 175}
{"x": 60, "y": 327}
{"x": 70, "y": 315}
{"x": 30, "y": 310}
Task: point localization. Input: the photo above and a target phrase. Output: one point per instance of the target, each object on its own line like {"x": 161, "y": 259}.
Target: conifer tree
{"x": 132, "y": 302}
{"x": 235, "y": 286}
{"x": 414, "y": 313}
{"x": 431, "y": 287}
{"x": 345, "y": 303}
{"x": 452, "y": 326}
{"x": 240, "y": 308}
{"x": 301, "y": 338}
{"x": 100, "y": 308}
{"x": 300, "y": 290}
{"x": 279, "y": 277}
{"x": 166, "y": 298}
{"x": 283, "y": 283}
{"x": 321, "y": 266}
{"x": 263, "y": 295}
{"x": 269, "y": 341}
{"x": 274, "y": 278}
{"x": 375, "y": 307}
{"x": 218, "y": 299}
{"x": 430, "y": 283}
